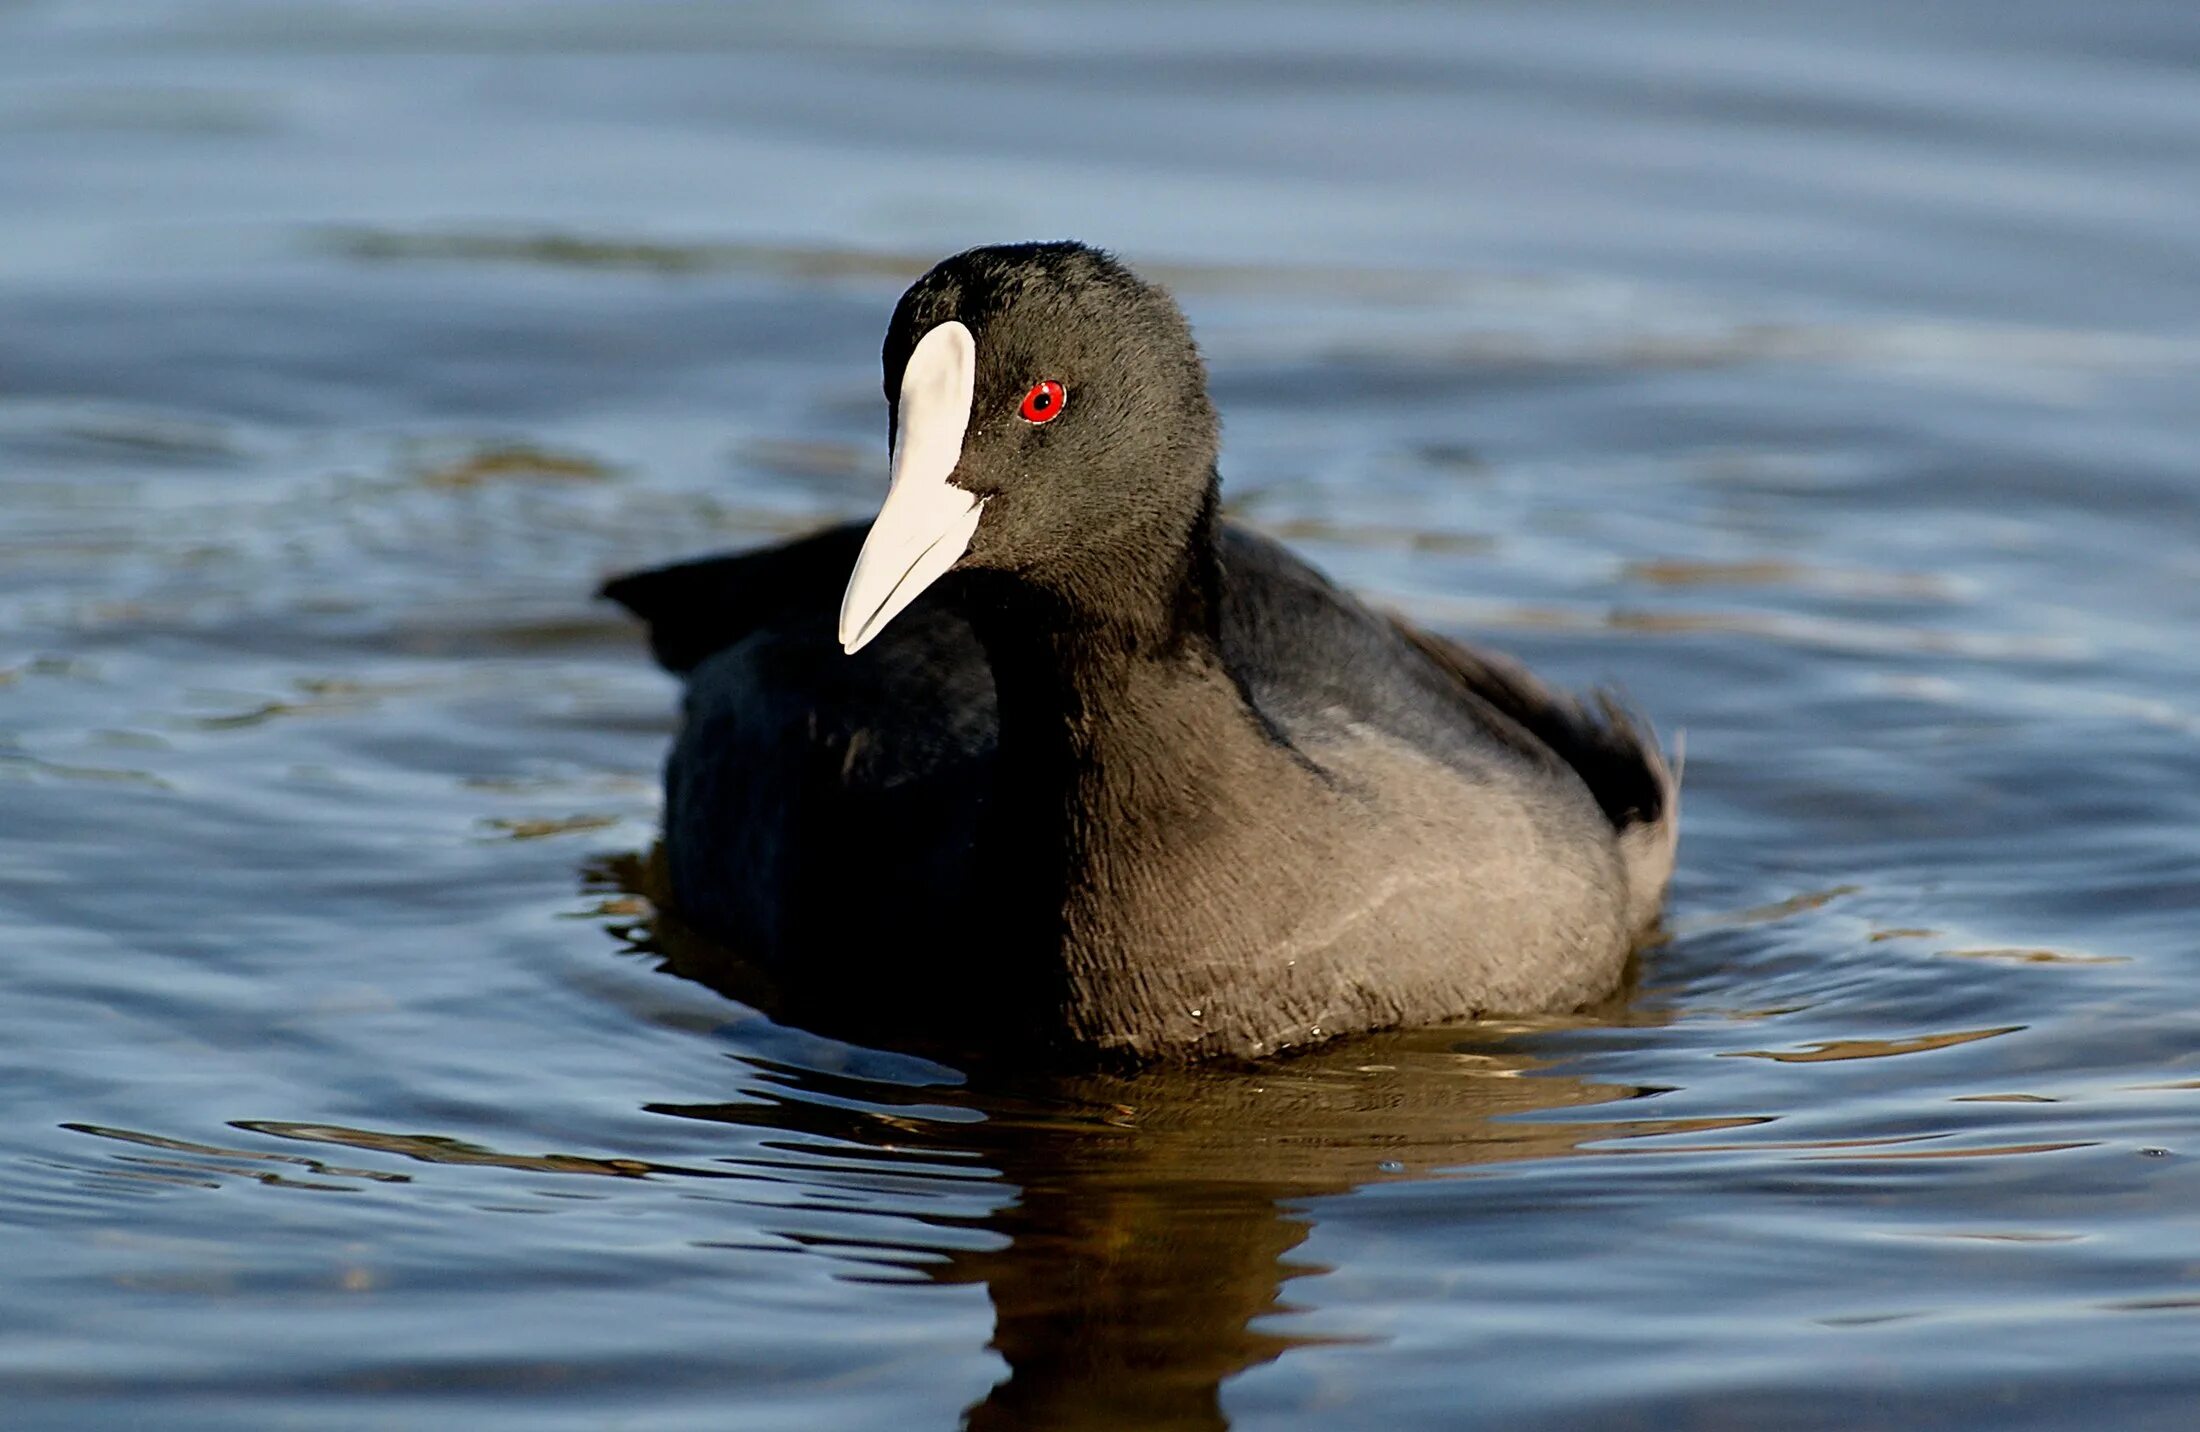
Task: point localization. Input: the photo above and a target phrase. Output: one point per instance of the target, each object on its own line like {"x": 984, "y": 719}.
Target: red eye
{"x": 1043, "y": 404}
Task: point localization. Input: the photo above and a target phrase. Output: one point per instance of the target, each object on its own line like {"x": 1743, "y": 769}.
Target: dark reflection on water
{"x": 1155, "y": 1218}
{"x": 1828, "y": 377}
{"x": 1153, "y": 1225}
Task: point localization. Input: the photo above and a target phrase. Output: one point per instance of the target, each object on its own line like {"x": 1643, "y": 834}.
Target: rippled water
{"x": 1829, "y": 379}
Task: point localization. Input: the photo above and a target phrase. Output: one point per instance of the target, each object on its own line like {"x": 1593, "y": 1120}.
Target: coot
{"x": 1053, "y": 759}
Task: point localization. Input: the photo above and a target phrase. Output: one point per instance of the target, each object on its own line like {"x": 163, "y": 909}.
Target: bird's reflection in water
{"x": 1156, "y": 1213}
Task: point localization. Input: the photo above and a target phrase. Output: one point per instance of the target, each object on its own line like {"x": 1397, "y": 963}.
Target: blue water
{"x": 1828, "y": 377}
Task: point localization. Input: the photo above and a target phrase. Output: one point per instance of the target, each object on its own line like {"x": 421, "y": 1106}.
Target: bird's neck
{"x": 1092, "y": 664}
{"x": 1147, "y": 592}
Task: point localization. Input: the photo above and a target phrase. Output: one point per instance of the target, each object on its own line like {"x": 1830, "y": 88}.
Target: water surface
{"x": 1829, "y": 380}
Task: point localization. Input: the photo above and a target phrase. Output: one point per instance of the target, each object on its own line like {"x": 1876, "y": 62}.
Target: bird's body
{"x": 1135, "y": 782}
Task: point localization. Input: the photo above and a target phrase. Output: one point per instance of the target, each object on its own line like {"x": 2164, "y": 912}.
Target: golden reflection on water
{"x": 221, "y": 1156}
{"x": 518, "y": 828}
{"x": 1768, "y": 914}
{"x": 2025, "y": 955}
{"x": 507, "y": 462}
{"x": 436, "y": 1149}
{"x": 1833, "y": 1050}
{"x": 1851, "y": 582}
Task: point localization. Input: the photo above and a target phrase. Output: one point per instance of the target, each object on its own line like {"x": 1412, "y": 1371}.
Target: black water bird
{"x": 1083, "y": 768}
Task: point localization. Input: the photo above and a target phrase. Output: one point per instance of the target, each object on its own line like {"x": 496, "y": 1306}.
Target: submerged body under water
{"x": 1830, "y": 383}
